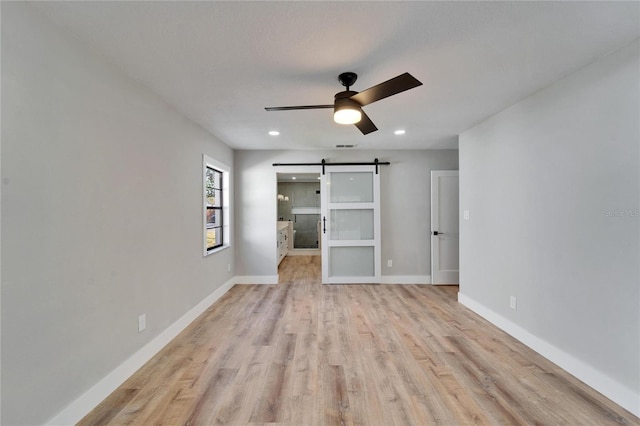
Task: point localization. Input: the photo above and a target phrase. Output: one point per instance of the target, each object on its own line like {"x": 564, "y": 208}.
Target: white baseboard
{"x": 256, "y": 279}
{"x": 79, "y": 408}
{"x": 604, "y": 384}
{"x": 405, "y": 279}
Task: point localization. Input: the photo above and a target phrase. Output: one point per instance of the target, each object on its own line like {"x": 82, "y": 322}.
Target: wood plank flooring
{"x": 303, "y": 353}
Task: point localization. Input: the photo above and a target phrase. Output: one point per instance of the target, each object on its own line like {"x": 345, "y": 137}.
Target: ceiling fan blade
{"x": 365, "y": 125}
{"x": 291, "y": 108}
{"x": 383, "y": 90}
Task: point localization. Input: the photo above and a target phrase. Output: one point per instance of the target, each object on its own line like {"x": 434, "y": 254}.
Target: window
{"x": 216, "y": 206}
{"x": 215, "y": 236}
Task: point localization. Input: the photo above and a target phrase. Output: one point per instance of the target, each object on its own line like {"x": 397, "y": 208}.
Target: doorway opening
{"x": 299, "y": 210}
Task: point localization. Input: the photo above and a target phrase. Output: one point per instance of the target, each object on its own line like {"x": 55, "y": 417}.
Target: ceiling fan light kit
{"x": 347, "y": 106}
{"x": 347, "y": 111}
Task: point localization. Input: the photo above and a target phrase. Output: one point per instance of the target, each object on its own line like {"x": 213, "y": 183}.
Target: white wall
{"x": 553, "y": 189}
{"x": 405, "y": 205}
{"x": 101, "y": 217}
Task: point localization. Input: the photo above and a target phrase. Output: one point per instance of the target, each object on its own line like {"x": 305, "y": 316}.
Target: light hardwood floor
{"x": 300, "y": 353}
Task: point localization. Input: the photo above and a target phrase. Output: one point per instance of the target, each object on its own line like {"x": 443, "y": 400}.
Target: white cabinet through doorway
{"x": 283, "y": 240}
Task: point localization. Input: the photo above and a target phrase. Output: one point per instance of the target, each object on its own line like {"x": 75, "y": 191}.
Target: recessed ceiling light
{"x": 294, "y": 178}
{"x": 400, "y": 132}
{"x": 274, "y": 133}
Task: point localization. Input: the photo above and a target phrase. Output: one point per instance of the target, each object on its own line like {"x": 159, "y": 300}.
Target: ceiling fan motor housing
{"x": 343, "y": 101}
{"x": 346, "y": 95}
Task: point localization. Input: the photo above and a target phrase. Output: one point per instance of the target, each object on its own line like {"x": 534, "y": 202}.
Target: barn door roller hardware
{"x": 324, "y": 164}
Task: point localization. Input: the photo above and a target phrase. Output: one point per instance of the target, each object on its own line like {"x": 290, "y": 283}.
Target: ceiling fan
{"x": 348, "y": 104}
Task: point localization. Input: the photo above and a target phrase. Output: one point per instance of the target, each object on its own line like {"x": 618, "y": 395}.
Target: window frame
{"x": 222, "y": 208}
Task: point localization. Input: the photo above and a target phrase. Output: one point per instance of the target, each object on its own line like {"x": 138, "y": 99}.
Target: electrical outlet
{"x": 228, "y": 267}
{"x": 142, "y": 322}
{"x": 513, "y": 303}
{"x": 390, "y": 263}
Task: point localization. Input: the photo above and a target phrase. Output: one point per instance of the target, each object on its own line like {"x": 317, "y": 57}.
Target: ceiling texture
{"x": 221, "y": 63}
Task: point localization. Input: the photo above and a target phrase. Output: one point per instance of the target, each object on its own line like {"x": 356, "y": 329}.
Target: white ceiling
{"x": 221, "y": 63}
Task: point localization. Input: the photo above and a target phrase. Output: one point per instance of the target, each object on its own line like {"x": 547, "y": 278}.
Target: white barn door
{"x": 350, "y": 207}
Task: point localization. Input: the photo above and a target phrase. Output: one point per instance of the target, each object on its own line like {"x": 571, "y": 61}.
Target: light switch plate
{"x": 465, "y": 214}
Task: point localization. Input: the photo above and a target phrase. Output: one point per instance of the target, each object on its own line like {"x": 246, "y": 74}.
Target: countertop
{"x": 282, "y": 225}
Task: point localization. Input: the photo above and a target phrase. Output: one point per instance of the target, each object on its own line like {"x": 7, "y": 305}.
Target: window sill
{"x": 217, "y": 249}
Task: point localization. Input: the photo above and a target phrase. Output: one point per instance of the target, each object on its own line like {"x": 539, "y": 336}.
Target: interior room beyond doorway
{"x": 299, "y": 207}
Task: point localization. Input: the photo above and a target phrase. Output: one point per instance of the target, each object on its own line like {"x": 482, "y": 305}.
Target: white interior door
{"x": 444, "y": 227}
{"x": 350, "y": 207}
